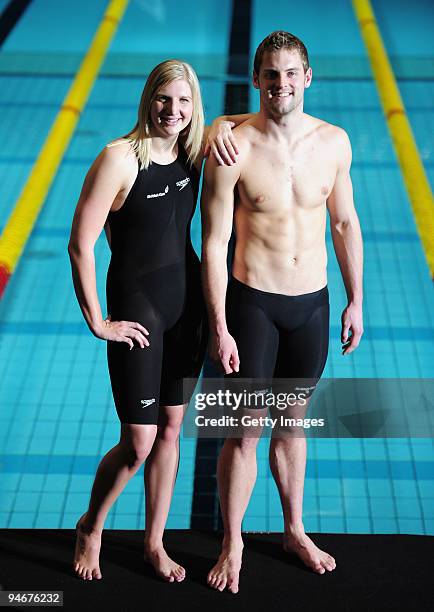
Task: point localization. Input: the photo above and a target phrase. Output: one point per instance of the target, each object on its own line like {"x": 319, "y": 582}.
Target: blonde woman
{"x": 142, "y": 188}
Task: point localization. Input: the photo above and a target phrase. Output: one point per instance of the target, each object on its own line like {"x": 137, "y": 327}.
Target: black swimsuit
{"x": 279, "y": 336}
{"x": 154, "y": 279}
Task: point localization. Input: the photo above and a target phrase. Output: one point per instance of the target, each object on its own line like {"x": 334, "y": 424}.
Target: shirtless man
{"x": 291, "y": 168}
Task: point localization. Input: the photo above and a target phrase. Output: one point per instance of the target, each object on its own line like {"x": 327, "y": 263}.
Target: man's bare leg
{"x": 114, "y": 471}
{"x": 236, "y": 474}
{"x": 288, "y": 466}
{"x": 160, "y": 474}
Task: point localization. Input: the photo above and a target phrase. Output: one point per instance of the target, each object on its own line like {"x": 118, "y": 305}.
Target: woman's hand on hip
{"x": 123, "y": 331}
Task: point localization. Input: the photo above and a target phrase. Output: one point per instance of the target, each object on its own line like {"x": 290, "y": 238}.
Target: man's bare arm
{"x": 348, "y": 245}
{"x": 217, "y": 205}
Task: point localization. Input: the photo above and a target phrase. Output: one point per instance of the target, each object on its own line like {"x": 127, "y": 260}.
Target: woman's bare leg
{"x": 116, "y": 468}
{"x": 160, "y": 474}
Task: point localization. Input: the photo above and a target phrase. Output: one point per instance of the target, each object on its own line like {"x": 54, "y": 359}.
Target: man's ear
{"x": 308, "y": 78}
{"x": 255, "y": 80}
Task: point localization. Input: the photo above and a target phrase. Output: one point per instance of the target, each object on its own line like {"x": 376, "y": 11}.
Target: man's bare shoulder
{"x": 247, "y": 132}
{"x": 247, "y": 135}
{"x": 332, "y": 135}
{"x": 244, "y": 135}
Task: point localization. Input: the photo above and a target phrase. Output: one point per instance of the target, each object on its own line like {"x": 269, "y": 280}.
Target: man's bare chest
{"x": 272, "y": 181}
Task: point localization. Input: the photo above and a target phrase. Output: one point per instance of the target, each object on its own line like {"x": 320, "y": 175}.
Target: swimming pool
{"x": 56, "y": 411}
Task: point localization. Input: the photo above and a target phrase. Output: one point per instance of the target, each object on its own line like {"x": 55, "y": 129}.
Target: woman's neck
{"x": 164, "y": 150}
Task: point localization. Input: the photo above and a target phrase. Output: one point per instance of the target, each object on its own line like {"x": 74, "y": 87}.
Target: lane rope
{"x": 410, "y": 162}
{"x": 33, "y": 195}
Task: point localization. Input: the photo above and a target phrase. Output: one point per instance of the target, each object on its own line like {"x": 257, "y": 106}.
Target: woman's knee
{"x": 136, "y": 442}
{"x": 170, "y": 423}
{"x": 169, "y": 432}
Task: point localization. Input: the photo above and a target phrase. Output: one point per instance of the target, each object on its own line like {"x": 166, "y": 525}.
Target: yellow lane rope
{"x": 29, "y": 204}
{"x": 416, "y": 181}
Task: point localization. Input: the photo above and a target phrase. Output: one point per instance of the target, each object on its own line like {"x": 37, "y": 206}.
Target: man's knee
{"x": 246, "y": 446}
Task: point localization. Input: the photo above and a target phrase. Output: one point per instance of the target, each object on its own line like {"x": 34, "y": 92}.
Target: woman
{"x": 143, "y": 189}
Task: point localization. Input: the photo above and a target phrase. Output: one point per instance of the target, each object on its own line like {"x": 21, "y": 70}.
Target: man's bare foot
{"x": 300, "y": 544}
{"x": 163, "y": 565}
{"x": 226, "y": 572}
{"x": 87, "y": 547}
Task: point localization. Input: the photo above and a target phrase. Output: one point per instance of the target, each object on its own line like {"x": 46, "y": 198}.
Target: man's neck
{"x": 287, "y": 127}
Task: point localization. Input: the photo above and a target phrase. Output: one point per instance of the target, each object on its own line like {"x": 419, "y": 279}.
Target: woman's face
{"x": 172, "y": 108}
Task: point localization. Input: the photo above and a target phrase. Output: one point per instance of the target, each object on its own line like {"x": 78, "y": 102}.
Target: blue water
{"x": 57, "y": 416}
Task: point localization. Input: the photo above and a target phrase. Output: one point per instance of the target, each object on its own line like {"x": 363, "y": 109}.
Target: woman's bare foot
{"x": 163, "y": 565}
{"x": 299, "y": 543}
{"x": 226, "y": 572}
{"x": 87, "y": 547}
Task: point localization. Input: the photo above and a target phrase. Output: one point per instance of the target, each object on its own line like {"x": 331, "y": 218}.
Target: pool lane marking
{"x": 33, "y": 195}
{"x": 410, "y": 162}
{"x": 10, "y": 17}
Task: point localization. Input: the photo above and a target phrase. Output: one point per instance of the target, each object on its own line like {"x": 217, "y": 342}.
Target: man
{"x": 291, "y": 167}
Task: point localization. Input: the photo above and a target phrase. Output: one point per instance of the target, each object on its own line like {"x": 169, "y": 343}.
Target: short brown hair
{"x": 280, "y": 40}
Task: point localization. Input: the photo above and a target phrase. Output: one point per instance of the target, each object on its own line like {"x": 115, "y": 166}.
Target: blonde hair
{"x": 140, "y": 135}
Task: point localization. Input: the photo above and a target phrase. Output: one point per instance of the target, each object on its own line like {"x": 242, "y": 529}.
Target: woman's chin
{"x": 170, "y": 130}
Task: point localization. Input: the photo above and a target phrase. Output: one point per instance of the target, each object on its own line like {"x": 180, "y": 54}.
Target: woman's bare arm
{"x": 102, "y": 184}
{"x": 219, "y": 140}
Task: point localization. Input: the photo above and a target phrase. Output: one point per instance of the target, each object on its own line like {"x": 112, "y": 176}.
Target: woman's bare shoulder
{"x": 121, "y": 148}
{"x": 115, "y": 163}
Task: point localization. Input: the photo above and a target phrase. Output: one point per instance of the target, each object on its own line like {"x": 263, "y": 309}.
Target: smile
{"x": 170, "y": 121}
{"x": 284, "y": 94}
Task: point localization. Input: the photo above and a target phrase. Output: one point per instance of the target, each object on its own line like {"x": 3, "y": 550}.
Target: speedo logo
{"x": 183, "y": 183}
{"x": 159, "y": 195}
{"x": 148, "y": 402}
{"x": 262, "y": 391}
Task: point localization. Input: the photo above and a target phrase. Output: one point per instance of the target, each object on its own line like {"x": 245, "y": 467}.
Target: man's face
{"x": 281, "y": 81}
